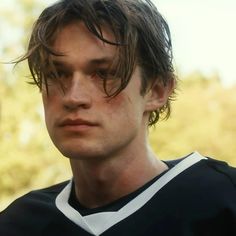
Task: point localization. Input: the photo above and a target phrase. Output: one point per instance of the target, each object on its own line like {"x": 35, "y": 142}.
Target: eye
{"x": 57, "y": 75}
{"x": 105, "y": 74}
{"x": 49, "y": 77}
{"x": 60, "y": 74}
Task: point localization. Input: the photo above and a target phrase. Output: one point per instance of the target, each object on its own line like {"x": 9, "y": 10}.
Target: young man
{"x": 104, "y": 68}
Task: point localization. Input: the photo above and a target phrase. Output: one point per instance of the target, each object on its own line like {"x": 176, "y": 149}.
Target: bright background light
{"x": 204, "y": 35}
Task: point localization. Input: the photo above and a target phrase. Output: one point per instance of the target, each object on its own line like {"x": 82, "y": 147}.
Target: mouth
{"x": 76, "y": 124}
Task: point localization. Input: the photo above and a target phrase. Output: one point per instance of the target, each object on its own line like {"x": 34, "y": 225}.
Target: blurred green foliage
{"x": 202, "y": 119}
{"x": 25, "y": 148}
{"x": 28, "y": 158}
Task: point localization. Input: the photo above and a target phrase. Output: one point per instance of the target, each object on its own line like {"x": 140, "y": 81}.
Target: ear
{"x": 158, "y": 95}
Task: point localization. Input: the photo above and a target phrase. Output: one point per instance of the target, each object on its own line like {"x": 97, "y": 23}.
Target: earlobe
{"x": 158, "y": 95}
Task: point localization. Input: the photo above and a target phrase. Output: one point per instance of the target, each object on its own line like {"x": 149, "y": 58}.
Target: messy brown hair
{"x": 142, "y": 37}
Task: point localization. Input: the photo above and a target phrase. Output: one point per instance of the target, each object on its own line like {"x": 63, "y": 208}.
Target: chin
{"x": 81, "y": 154}
{"x": 75, "y": 150}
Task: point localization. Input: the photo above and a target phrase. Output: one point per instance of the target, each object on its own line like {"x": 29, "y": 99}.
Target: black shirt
{"x": 200, "y": 200}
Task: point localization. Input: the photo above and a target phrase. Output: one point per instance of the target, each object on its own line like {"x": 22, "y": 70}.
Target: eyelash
{"x": 61, "y": 74}
{"x": 105, "y": 74}
{"x": 101, "y": 74}
{"x": 57, "y": 75}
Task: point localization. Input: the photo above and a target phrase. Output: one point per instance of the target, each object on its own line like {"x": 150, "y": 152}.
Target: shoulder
{"x": 212, "y": 181}
{"x": 209, "y": 169}
{"x": 203, "y": 194}
{"x": 39, "y": 197}
{"x": 36, "y": 198}
{"x": 33, "y": 208}
{"x": 222, "y": 168}
{"x": 217, "y": 172}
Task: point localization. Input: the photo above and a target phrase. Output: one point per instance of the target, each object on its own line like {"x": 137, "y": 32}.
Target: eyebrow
{"x": 92, "y": 62}
{"x": 99, "y": 61}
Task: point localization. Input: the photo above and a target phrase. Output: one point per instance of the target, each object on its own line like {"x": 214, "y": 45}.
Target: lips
{"x": 76, "y": 126}
{"x": 76, "y": 122}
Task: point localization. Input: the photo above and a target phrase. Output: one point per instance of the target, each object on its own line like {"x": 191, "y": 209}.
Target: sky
{"x": 203, "y": 35}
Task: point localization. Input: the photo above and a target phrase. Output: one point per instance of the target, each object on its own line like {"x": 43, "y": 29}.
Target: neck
{"x": 98, "y": 183}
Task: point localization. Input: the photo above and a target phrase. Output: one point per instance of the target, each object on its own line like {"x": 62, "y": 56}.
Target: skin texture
{"x": 104, "y": 138}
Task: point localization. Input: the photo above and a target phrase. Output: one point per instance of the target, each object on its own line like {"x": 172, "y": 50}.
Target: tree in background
{"x": 27, "y": 156}
{"x": 202, "y": 118}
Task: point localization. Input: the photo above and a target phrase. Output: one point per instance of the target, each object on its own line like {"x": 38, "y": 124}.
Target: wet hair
{"x": 141, "y": 35}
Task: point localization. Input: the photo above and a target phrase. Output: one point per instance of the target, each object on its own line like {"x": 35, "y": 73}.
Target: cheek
{"x": 125, "y": 109}
{"x": 50, "y": 99}
{"x": 46, "y": 104}
{"x": 116, "y": 106}
{"x": 50, "y": 108}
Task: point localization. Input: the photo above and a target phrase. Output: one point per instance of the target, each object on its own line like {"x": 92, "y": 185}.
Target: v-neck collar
{"x": 98, "y": 223}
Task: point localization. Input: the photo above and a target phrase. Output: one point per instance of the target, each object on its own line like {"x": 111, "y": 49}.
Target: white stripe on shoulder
{"x": 98, "y": 223}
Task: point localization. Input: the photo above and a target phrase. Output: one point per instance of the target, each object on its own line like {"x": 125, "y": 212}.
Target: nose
{"x": 77, "y": 94}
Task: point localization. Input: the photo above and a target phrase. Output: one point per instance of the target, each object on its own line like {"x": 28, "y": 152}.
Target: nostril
{"x": 72, "y": 106}
{"x": 73, "y": 101}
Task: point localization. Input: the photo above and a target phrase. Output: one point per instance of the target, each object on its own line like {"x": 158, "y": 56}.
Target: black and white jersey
{"x": 195, "y": 197}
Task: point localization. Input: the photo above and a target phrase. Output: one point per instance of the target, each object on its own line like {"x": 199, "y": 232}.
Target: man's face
{"x": 82, "y": 122}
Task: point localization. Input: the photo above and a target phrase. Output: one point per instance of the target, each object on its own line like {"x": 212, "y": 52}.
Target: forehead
{"x": 75, "y": 39}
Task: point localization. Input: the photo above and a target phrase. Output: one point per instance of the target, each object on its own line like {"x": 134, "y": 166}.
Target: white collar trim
{"x": 97, "y": 223}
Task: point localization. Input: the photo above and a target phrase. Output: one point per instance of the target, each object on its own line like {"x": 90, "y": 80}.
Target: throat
{"x": 109, "y": 206}
{"x": 102, "y": 182}
{"x": 98, "y": 187}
